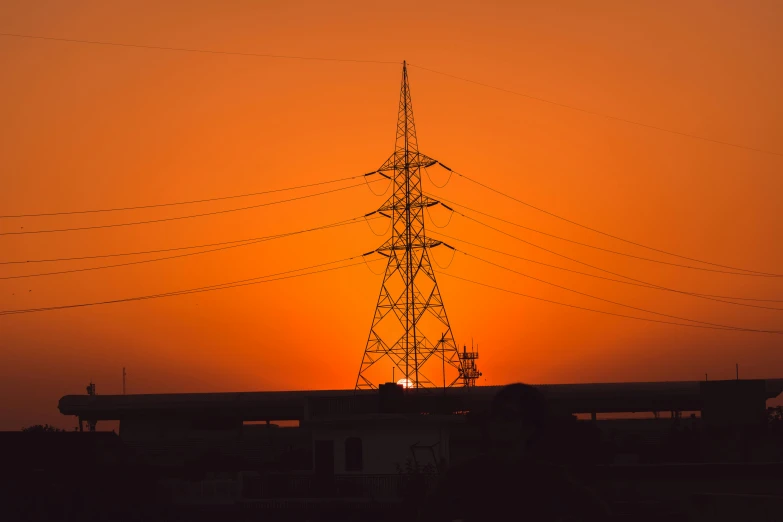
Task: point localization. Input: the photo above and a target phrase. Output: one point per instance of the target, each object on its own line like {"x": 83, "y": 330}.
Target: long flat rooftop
{"x": 292, "y": 405}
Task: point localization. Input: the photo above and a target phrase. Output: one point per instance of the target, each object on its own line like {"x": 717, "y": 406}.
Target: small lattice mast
{"x": 410, "y": 331}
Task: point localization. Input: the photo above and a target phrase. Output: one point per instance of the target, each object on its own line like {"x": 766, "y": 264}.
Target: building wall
{"x": 176, "y": 441}
{"x": 150, "y": 429}
{"x": 384, "y": 450}
{"x": 734, "y": 404}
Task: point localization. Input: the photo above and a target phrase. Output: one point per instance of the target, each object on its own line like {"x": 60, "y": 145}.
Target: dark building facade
{"x": 370, "y": 454}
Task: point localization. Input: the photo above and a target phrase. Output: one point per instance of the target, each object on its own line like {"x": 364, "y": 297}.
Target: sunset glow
{"x": 99, "y": 127}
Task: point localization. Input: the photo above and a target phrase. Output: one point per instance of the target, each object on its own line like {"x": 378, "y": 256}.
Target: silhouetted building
{"x": 390, "y": 445}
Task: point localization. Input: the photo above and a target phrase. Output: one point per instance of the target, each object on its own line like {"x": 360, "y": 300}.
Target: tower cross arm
{"x": 415, "y": 160}
{"x": 399, "y": 204}
{"x": 426, "y": 242}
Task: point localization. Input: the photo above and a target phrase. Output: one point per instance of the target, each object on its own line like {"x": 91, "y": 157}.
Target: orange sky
{"x": 87, "y": 126}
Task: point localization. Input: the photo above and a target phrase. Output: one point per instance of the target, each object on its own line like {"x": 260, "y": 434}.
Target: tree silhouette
{"x": 775, "y": 419}
{"x": 41, "y": 428}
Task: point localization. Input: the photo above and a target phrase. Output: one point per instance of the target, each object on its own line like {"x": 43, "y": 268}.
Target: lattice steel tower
{"x": 410, "y": 328}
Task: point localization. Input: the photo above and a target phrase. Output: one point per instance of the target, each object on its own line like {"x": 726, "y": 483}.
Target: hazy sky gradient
{"x": 87, "y": 126}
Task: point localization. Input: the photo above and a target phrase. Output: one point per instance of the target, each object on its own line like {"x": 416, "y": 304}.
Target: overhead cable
{"x": 230, "y": 246}
{"x": 615, "y": 302}
{"x": 748, "y": 273}
{"x": 305, "y": 271}
{"x": 142, "y": 252}
{"x": 640, "y": 284}
{"x": 597, "y": 231}
{"x": 189, "y": 216}
{"x": 534, "y": 245}
{"x": 190, "y": 202}
{"x": 192, "y": 50}
{"x": 386, "y": 62}
{"x": 603, "y": 115}
{"x": 688, "y": 325}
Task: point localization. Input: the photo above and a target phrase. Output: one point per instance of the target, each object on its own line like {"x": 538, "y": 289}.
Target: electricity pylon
{"x": 410, "y": 327}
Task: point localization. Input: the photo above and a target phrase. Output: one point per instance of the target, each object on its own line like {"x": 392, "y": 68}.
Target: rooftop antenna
{"x": 470, "y": 372}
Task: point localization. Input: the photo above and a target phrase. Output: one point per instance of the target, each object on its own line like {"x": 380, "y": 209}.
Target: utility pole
{"x": 410, "y": 313}
{"x": 443, "y": 361}
{"x": 123, "y": 380}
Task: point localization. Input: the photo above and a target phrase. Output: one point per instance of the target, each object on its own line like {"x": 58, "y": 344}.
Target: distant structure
{"x": 410, "y": 328}
{"x": 470, "y": 373}
{"x": 91, "y": 423}
{"x": 380, "y": 454}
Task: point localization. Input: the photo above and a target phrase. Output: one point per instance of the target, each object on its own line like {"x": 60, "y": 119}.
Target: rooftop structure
{"x": 300, "y": 405}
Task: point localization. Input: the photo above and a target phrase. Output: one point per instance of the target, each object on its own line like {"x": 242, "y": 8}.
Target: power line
{"x": 749, "y": 274}
{"x": 384, "y": 62}
{"x": 158, "y": 251}
{"x": 171, "y": 294}
{"x": 248, "y": 243}
{"x": 192, "y": 50}
{"x": 189, "y": 216}
{"x": 601, "y": 232}
{"x": 448, "y": 222}
{"x": 603, "y": 115}
{"x": 745, "y": 298}
{"x": 222, "y": 286}
{"x": 592, "y": 309}
{"x": 615, "y": 302}
{"x": 645, "y": 284}
{"x": 448, "y": 180}
{"x": 597, "y": 267}
{"x": 100, "y": 256}
{"x": 158, "y": 205}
